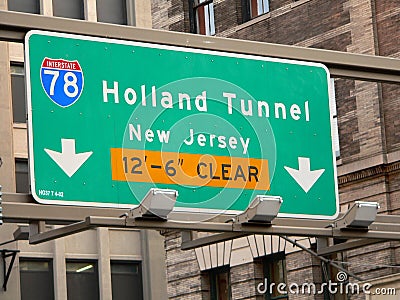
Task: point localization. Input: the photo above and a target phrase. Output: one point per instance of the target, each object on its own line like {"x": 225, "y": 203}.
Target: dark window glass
{"x": 18, "y": 93}
{"x": 126, "y": 279}
{"x": 112, "y": 11}
{"x": 27, "y": 6}
{"x": 68, "y": 9}
{"x": 275, "y": 272}
{"x": 82, "y": 280}
{"x": 36, "y": 277}
{"x": 21, "y": 176}
{"x": 203, "y": 17}
{"x": 220, "y": 287}
{"x": 330, "y": 273}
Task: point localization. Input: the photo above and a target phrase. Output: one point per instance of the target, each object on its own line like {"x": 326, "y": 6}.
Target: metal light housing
{"x": 157, "y": 204}
{"x": 360, "y": 215}
{"x": 262, "y": 209}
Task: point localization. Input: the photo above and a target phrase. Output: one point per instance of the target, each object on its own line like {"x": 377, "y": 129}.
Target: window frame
{"x": 127, "y": 7}
{"x": 128, "y": 262}
{"x": 13, "y": 75}
{"x": 21, "y": 169}
{"x": 214, "y": 283}
{"x": 37, "y": 5}
{"x": 50, "y": 272}
{"x": 254, "y": 8}
{"x": 269, "y": 262}
{"x": 263, "y": 7}
{"x": 88, "y": 261}
{"x": 62, "y": 15}
{"x": 199, "y": 21}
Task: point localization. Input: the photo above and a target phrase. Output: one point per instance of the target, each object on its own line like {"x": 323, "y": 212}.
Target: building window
{"x": 112, "y": 11}
{"x": 26, "y": 6}
{"x": 220, "y": 285}
{"x": 330, "y": 273}
{"x": 203, "y": 17}
{"x": 36, "y": 276}
{"x": 69, "y": 9}
{"x": 258, "y": 7}
{"x": 274, "y": 266}
{"x": 21, "y": 175}
{"x": 334, "y": 125}
{"x": 18, "y": 93}
{"x": 82, "y": 280}
{"x": 126, "y": 279}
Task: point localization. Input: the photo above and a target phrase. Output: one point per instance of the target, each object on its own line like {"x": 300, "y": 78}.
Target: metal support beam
{"x": 21, "y": 233}
{"x": 302, "y": 228}
{"x": 7, "y": 271}
{"x": 188, "y": 244}
{"x": 36, "y": 227}
{"x": 15, "y": 25}
{"x": 347, "y": 246}
{"x": 22, "y": 208}
{"x": 321, "y": 258}
{"x": 59, "y": 232}
{"x": 322, "y": 243}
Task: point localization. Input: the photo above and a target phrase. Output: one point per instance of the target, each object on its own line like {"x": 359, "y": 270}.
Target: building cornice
{"x": 377, "y": 170}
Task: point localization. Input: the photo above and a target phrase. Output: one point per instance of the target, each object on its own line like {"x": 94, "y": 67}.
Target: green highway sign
{"x": 110, "y": 119}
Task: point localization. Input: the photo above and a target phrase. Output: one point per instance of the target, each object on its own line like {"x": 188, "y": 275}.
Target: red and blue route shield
{"x": 62, "y": 80}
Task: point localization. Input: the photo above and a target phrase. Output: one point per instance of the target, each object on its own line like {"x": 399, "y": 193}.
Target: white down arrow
{"x": 304, "y": 176}
{"x": 68, "y": 160}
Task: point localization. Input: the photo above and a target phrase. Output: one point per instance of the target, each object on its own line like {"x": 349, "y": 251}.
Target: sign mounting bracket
{"x": 7, "y": 271}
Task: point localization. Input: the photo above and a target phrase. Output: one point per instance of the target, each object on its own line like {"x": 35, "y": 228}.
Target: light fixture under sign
{"x": 157, "y": 204}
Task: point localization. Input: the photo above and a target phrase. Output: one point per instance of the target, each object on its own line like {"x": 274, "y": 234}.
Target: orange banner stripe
{"x": 189, "y": 169}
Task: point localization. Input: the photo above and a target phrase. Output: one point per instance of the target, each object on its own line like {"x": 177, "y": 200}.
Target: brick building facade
{"x": 369, "y": 138}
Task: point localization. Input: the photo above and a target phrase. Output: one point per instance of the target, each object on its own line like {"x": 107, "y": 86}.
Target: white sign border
{"x": 163, "y": 47}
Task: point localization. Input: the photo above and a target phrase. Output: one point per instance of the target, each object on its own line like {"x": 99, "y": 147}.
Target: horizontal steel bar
{"x": 387, "y": 219}
{"x": 21, "y": 208}
{"x": 89, "y": 223}
{"x": 371, "y": 234}
{"x": 212, "y": 239}
{"x": 11, "y": 36}
{"x": 60, "y": 232}
{"x": 353, "y": 244}
{"x": 392, "y": 226}
{"x": 366, "y": 75}
{"x": 298, "y": 230}
{"x": 359, "y": 66}
{"x": 94, "y": 221}
{"x": 235, "y": 230}
{"x": 217, "y": 238}
{"x": 179, "y": 225}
